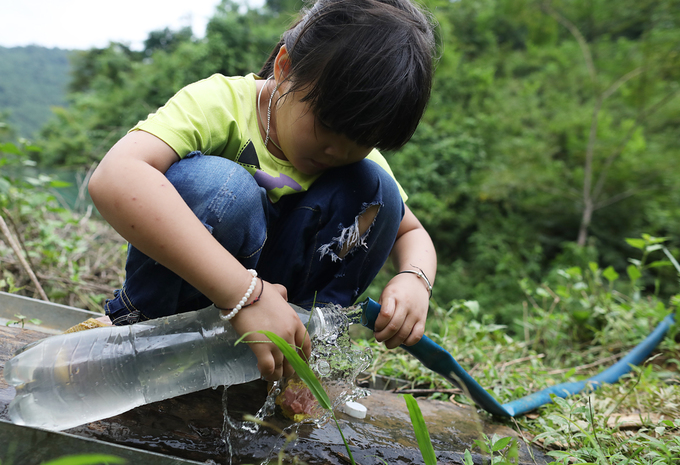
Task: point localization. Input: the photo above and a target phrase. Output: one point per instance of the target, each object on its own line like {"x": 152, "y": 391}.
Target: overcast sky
{"x": 82, "y": 24}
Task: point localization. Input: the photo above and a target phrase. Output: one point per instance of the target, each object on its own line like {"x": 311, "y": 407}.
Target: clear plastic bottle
{"x": 71, "y": 379}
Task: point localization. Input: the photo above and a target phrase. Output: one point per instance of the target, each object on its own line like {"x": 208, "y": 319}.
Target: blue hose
{"x": 440, "y": 361}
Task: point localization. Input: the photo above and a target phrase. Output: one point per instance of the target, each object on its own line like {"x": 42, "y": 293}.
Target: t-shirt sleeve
{"x": 198, "y": 117}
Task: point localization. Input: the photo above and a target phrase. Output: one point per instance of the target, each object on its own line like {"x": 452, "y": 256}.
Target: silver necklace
{"x": 269, "y": 113}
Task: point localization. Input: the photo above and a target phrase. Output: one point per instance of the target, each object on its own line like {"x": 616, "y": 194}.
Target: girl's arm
{"x": 131, "y": 192}
{"x": 405, "y": 299}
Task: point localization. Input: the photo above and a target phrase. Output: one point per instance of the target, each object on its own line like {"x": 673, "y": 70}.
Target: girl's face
{"x": 307, "y": 144}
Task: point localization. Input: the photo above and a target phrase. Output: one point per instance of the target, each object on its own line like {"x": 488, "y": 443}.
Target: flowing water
{"x": 335, "y": 361}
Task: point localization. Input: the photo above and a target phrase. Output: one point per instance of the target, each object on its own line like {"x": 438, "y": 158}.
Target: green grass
{"x": 574, "y": 326}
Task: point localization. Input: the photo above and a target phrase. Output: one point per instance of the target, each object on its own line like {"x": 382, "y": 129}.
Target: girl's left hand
{"x": 404, "y": 304}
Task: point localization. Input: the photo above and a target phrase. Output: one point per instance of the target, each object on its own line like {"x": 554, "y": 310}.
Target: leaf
{"x": 610, "y": 274}
{"x": 419, "y": 427}
{"x": 472, "y": 306}
{"x": 637, "y": 243}
{"x": 633, "y": 273}
{"x": 4, "y": 185}
{"x": 654, "y": 240}
{"x": 500, "y": 444}
{"x": 672, "y": 259}
{"x": 574, "y": 272}
{"x": 659, "y": 263}
{"x": 482, "y": 446}
{"x": 301, "y": 368}
{"x": 542, "y": 292}
{"x": 58, "y": 184}
{"x": 86, "y": 459}
{"x": 10, "y": 148}
{"x": 467, "y": 457}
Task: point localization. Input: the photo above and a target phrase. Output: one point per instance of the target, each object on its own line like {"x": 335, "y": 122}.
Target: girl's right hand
{"x": 272, "y": 313}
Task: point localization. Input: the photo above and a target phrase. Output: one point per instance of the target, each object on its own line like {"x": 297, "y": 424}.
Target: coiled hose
{"x": 440, "y": 361}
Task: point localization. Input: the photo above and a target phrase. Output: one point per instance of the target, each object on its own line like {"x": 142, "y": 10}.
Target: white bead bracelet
{"x": 243, "y": 301}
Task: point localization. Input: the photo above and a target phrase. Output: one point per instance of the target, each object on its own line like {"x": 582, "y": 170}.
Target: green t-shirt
{"x": 217, "y": 116}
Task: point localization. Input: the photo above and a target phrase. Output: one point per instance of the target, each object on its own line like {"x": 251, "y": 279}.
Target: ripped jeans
{"x": 308, "y": 242}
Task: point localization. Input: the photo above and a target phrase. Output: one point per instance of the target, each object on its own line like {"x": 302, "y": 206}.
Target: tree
{"x": 513, "y": 79}
{"x": 593, "y": 196}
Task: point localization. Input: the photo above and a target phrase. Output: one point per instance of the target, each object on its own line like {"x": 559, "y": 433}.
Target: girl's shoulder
{"x": 212, "y": 115}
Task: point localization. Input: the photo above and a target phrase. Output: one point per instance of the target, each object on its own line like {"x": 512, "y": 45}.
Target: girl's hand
{"x": 272, "y": 313}
{"x": 404, "y": 304}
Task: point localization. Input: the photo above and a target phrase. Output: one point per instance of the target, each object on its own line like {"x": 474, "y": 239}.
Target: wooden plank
{"x": 55, "y": 318}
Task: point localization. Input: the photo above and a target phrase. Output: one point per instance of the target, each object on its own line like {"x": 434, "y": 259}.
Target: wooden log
{"x": 191, "y": 426}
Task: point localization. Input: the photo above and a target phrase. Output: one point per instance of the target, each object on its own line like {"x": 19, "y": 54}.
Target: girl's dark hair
{"x": 365, "y": 67}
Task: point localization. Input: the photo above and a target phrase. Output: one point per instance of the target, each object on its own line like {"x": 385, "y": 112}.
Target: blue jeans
{"x": 295, "y": 241}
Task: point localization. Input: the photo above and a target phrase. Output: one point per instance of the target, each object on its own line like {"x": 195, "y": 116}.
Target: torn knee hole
{"x": 362, "y": 224}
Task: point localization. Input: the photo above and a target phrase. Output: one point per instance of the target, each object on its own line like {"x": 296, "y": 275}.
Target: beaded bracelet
{"x": 243, "y": 301}
{"x": 258, "y": 296}
{"x": 420, "y": 274}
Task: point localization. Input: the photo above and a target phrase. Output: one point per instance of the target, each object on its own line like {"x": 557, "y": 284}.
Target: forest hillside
{"x": 550, "y": 138}
{"x": 32, "y": 80}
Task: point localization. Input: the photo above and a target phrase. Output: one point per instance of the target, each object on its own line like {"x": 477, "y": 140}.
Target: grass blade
{"x": 422, "y": 435}
{"x": 86, "y": 459}
{"x": 307, "y": 375}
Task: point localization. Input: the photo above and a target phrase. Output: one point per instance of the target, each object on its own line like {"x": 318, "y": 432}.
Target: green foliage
{"x": 586, "y": 300}
{"x": 59, "y": 245}
{"x": 21, "y": 320}
{"x": 544, "y": 121}
{"x": 114, "y": 88}
{"x": 502, "y": 450}
{"x": 574, "y": 325}
{"x": 591, "y": 426}
{"x": 550, "y": 137}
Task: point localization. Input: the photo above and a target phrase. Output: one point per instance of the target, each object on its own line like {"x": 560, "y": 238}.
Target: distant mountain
{"x": 32, "y": 80}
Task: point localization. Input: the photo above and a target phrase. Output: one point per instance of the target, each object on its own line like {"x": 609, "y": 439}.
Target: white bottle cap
{"x": 354, "y": 409}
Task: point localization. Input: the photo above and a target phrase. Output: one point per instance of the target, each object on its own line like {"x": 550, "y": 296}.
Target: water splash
{"x": 335, "y": 361}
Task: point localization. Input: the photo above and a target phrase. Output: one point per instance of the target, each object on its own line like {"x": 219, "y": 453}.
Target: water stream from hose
{"x": 336, "y": 362}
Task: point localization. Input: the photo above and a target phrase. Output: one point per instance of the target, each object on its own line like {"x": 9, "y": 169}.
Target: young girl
{"x": 252, "y": 191}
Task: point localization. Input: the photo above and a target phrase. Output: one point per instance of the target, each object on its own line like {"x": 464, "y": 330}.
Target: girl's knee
{"x": 216, "y": 185}
{"x": 387, "y": 196}
{"x": 377, "y": 211}
{"x": 226, "y": 198}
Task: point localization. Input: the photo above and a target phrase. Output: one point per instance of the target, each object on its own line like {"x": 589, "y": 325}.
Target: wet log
{"x": 192, "y": 426}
